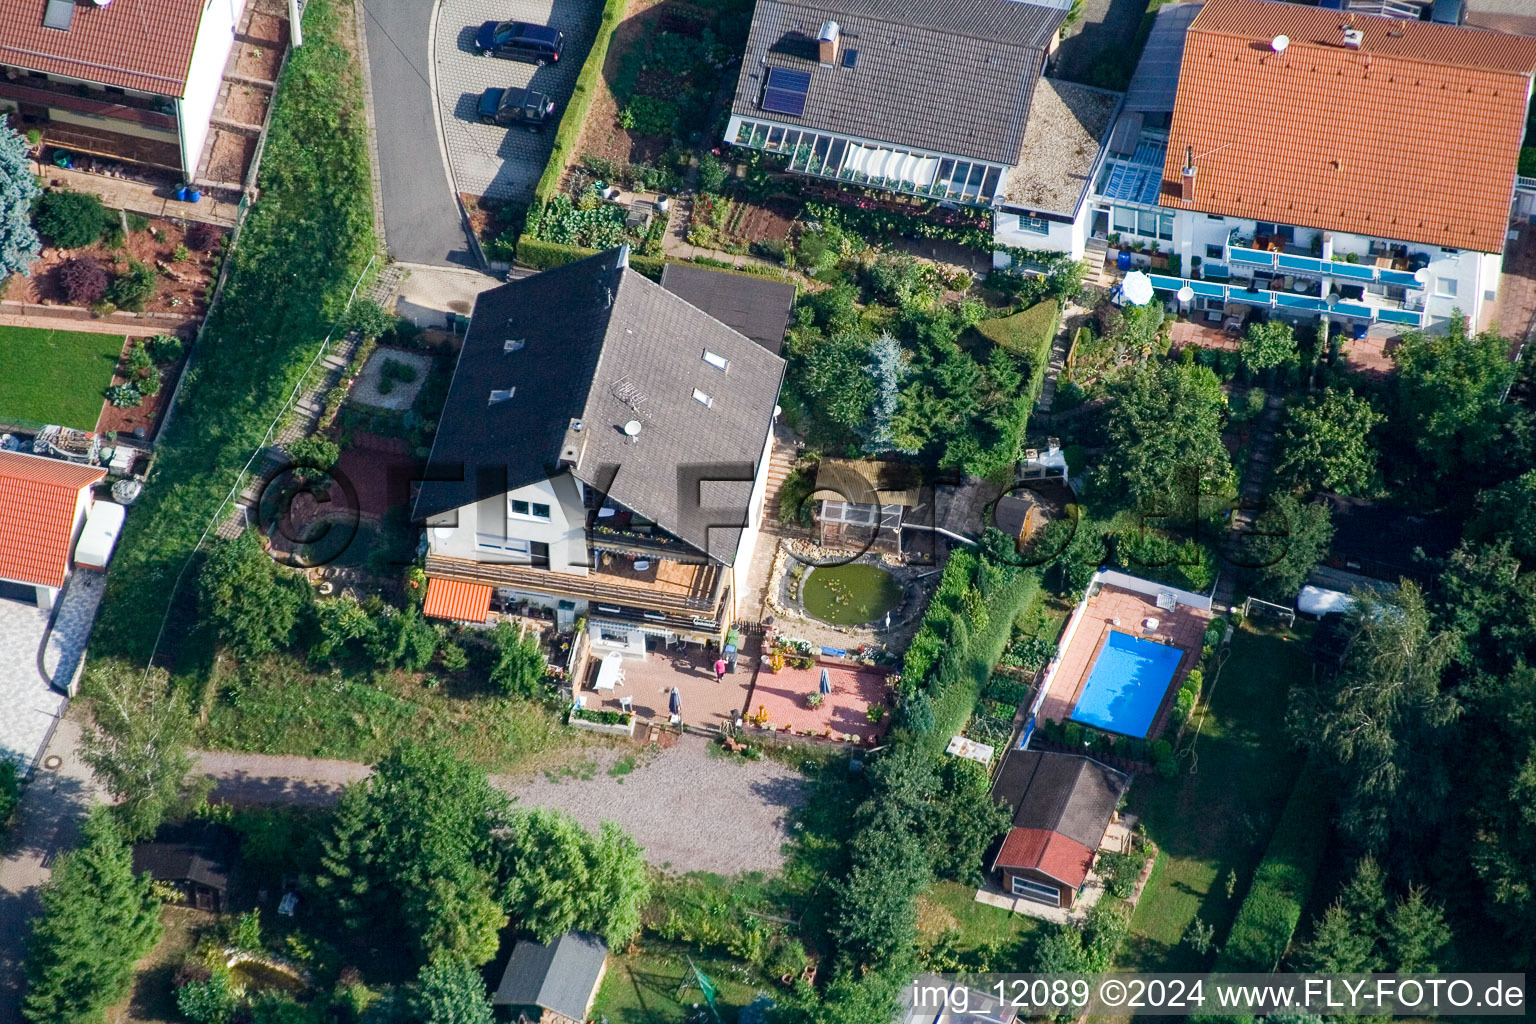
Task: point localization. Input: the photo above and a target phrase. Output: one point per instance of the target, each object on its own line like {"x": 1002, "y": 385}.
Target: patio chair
{"x": 627, "y": 705}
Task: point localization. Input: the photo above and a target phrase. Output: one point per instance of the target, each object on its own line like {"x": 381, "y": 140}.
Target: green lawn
{"x": 643, "y": 988}
{"x": 1216, "y": 816}
{"x": 55, "y": 376}
{"x": 950, "y": 906}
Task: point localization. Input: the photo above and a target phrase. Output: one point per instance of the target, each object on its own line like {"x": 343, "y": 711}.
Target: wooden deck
{"x": 663, "y": 586}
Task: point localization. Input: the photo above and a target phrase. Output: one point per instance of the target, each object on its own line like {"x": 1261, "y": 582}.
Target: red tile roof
{"x": 135, "y": 44}
{"x": 1052, "y": 853}
{"x": 1414, "y": 136}
{"x": 37, "y": 515}
{"x": 463, "y": 602}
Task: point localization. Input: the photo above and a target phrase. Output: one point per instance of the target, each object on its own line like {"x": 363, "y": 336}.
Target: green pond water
{"x": 257, "y": 977}
{"x": 850, "y": 595}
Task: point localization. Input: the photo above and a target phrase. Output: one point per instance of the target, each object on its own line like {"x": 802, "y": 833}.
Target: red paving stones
{"x": 1183, "y": 627}
{"x": 1515, "y": 312}
{"x": 844, "y": 711}
{"x": 1371, "y": 354}
{"x": 648, "y": 682}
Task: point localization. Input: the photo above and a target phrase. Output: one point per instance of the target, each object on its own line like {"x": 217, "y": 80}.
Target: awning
{"x": 463, "y": 602}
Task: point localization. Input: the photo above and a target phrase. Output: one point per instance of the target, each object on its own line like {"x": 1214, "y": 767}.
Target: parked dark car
{"x": 512, "y": 107}
{"x": 517, "y": 40}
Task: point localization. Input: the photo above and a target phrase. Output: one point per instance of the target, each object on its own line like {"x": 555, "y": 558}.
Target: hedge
{"x": 569, "y": 132}
{"x": 1283, "y": 880}
{"x": 542, "y": 255}
{"x": 1029, "y": 335}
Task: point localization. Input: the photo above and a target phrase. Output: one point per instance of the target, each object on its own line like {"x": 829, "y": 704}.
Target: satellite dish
{"x": 632, "y": 428}
{"x": 1279, "y": 43}
{"x": 1186, "y": 293}
{"x": 1421, "y": 275}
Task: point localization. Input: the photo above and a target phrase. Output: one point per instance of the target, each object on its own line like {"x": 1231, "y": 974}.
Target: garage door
{"x": 22, "y": 592}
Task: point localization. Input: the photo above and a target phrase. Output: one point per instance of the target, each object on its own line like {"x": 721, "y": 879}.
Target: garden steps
{"x": 1255, "y": 483}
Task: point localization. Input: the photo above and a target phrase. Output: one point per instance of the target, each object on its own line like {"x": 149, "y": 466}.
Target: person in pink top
{"x": 719, "y": 670}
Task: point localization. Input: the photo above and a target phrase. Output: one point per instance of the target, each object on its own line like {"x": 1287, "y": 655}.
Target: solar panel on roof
{"x": 785, "y": 92}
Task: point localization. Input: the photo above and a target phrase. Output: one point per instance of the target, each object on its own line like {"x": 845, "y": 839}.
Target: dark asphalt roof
{"x": 560, "y": 976}
{"x": 196, "y": 851}
{"x": 1064, "y": 793}
{"x": 945, "y": 76}
{"x": 758, "y": 307}
{"x": 597, "y": 344}
{"x": 1382, "y": 540}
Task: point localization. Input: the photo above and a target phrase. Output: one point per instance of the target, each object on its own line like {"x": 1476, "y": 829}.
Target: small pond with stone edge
{"x": 849, "y": 595}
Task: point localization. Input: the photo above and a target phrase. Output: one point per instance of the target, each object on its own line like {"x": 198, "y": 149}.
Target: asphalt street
{"x": 421, "y": 217}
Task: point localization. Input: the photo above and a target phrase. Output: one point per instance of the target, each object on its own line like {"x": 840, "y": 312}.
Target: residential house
{"x": 43, "y": 506}
{"x": 197, "y": 857}
{"x": 130, "y": 80}
{"x": 603, "y": 452}
{"x": 558, "y": 979}
{"x": 907, "y": 96}
{"x": 1318, "y": 163}
{"x": 1062, "y": 806}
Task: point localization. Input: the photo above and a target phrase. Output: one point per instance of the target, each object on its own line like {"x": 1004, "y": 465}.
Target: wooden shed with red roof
{"x": 1062, "y": 806}
{"x": 43, "y": 504}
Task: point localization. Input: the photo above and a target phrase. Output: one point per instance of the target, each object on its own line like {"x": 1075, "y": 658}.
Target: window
{"x": 716, "y": 360}
{"x": 1034, "y": 225}
{"x": 1125, "y": 220}
{"x": 1214, "y": 252}
{"x": 1445, "y": 287}
{"x": 847, "y": 512}
{"x": 1146, "y": 223}
{"x": 703, "y": 399}
{"x": 530, "y": 510}
{"x": 501, "y": 395}
{"x": 508, "y": 544}
{"x": 1036, "y": 892}
{"x": 1165, "y": 226}
{"x": 1212, "y": 216}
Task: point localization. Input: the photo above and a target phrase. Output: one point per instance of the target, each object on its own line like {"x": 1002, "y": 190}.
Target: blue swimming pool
{"x": 1127, "y": 684}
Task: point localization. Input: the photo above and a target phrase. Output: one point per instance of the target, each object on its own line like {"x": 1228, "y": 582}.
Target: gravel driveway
{"x": 691, "y": 810}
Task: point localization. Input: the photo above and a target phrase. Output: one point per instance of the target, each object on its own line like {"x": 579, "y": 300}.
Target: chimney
{"x": 1188, "y": 185}
{"x": 827, "y": 42}
{"x": 1353, "y": 37}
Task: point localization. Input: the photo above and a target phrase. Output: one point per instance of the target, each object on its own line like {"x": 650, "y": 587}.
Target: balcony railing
{"x": 1314, "y": 265}
{"x": 597, "y": 587}
{"x": 1289, "y": 302}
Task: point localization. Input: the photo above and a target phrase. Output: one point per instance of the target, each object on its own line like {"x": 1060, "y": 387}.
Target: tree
{"x": 1449, "y": 390}
{"x": 19, "y": 245}
{"x": 449, "y": 992}
{"x": 1325, "y": 444}
{"x": 556, "y": 876}
{"x": 340, "y": 621}
{"x": 405, "y": 639}
{"x": 520, "y": 666}
{"x": 1509, "y": 511}
{"x": 876, "y": 918}
{"x": 97, "y": 920}
{"x": 1268, "y": 344}
{"x": 140, "y": 748}
{"x": 409, "y": 857}
{"x": 71, "y": 219}
{"x": 886, "y": 369}
{"x": 10, "y": 791}
{"x": 1374, "y": 720}
{"x": 964, "y": 822}
{"x": 1416, "y": 934}
{"x": 833, "y": 377}
{"x": 1291, "y": 538}
{"x": 1364, "y": 931}
{"x": 1134, "y": 332}
{"x": 251, "y": 600}
{"x": 1163, "y": 419}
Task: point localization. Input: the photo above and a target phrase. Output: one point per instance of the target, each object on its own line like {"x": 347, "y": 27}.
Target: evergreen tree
{"x": 252, "y": 601}
{"x": 886, "y": 369}
{"x": 1415, "y": 934}
{"x": 557, "y": 876}
{"x": 19, "y": 244}
{"x": 140, "y": 748}
{"x": 97, "y": 920}
{"x": 448, "y": 992}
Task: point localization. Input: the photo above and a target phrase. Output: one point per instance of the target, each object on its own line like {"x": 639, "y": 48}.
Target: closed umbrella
{"x": 1137, "y": 288}
{"x": 826, "y": 682}
{"x": 675, "y": 702}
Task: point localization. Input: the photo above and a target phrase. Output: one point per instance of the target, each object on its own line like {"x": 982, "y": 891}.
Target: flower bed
{"x": 613, "y": 723}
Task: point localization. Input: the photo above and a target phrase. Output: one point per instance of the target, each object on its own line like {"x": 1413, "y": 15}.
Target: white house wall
{"x": 1071, "y": 239}
{"x": 741, "y": 565}
{"x": 457, "y": 534}
{"x": 215, "y": 38}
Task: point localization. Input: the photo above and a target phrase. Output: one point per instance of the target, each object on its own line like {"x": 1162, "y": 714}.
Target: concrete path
{"x": 51, "y": 810}
{"x": 421, "y": 214}
{"x": 690, "y": 809}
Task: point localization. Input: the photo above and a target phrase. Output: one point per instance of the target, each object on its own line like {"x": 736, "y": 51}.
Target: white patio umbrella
{"x": 1137, "y": 288}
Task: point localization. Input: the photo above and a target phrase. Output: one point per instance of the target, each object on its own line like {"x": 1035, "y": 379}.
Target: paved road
{"x": 692, "y": 811}
{"x": 421, "y": 216}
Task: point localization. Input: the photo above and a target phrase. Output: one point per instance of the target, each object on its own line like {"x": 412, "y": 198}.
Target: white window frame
{"x": 1441, "y": 291}
{"x": 703, "y": 399}
{"x": 1033, "y": 891}
{"x": 508, "y": 544}
{"x": 532, "y": 514}
{"x": 717, "y": 360}
{"x": 1034, "y": 225}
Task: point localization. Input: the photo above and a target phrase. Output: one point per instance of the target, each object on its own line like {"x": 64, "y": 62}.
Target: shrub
{"x": 202, "y": 237}
{"x": 133, "y": 287}
{"x": 124, "y": 396}
{"x": 394, "y": 369}
{"x": 208, "y": 1002}
{"x": 814, "y": 700}
{"x": 139, "y": 357}
{"x": 1072, "y": 735}
{"x": 149, "y": 383}
{"x": 453, "y": 657}
{"x": 181, "y": 254}
{"x": 648, "y": 115}
{"x": 136, "y": 221}
{"x": 84, "y": 280}
{"x": 166, "y": 348}
{"x": 712, "y": 173}
{"x": 10, "y": 790}
{"x": 1283, "y": 880}
{"x": 318, "y": 452}
{"x": 71, "y": 219}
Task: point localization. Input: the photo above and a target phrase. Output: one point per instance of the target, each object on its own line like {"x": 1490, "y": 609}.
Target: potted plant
{"x": 1175, "y": 264}
{"x": 1114, "y": 246}
{"x": 1194, "y": 268}
{"x": 814, "y": 700}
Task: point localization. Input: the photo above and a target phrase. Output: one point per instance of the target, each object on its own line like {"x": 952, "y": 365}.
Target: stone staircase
{"x": 1255, "y": 485}
{"x": 1059, "y": 349}
{"x": 1100, "y": 271}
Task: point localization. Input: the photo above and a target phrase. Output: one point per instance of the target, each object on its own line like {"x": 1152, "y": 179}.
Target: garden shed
{"x": 559, "y": 978}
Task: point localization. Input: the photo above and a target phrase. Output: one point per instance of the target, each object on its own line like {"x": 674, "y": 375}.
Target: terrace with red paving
{"x": 648, "y": 682}
{"x": 845, "y": 711}
{"x": 1115, "y": 608}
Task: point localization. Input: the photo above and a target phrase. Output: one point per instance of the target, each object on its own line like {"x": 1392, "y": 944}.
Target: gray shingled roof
{"x": 194, "y": 851}
{"x": 1156, "y": 80}
{"x": 1067, "y": 124}
{"x": 605, "y": 345}
{"x": 1064, "y": 793}
{"x": 758, "y": 307}
{"x": 945, "y": 76}
{"x": 561, "y": 976}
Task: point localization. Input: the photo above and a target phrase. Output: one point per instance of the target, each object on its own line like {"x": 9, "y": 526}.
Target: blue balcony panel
{"x": 1354, "y": 309}
{"x": 1401, "y": 278}
{"x": 1306, "y": 302}
{"x": 1306, "y": 263}
{"x": 1400, "y": 316}
{"x": 1165, "y": 283}
{"x": 1353, "y": 271}
{"x": 1207, "y": 289}
{"x": 1257, "y": 257}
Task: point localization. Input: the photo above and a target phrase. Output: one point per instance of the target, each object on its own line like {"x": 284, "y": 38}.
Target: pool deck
{"x": 1114, "y": 608}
